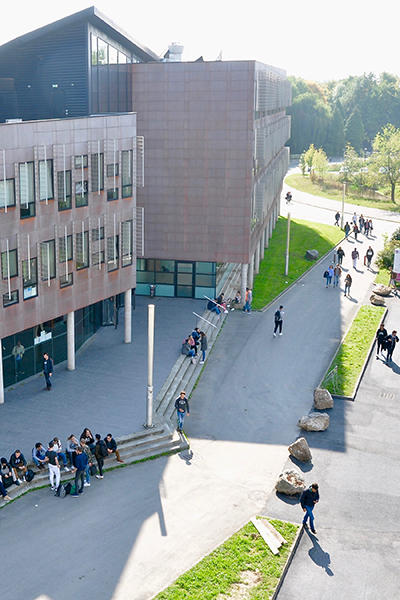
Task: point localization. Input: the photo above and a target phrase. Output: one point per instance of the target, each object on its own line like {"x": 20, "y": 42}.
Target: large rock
{"x": 382, "y": 290}
{"x": 377, "y": 300}
{"x": 290, "y": 482}
{"x": 314, "y": 422}
{"x": 322, "y": 399}
{"x": 300, "y": 450}
{"x": 312, "y": 255}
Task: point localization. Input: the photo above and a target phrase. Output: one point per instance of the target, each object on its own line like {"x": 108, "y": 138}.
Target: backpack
{"x": 29, "y": 475}
{"x": 326, "y": 274}
{"x": 103, "y": 452}
{"x": 277, "y": 316}
{"x": 63, "y": 490}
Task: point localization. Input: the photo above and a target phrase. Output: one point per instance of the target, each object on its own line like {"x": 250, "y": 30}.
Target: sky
{"x": 314, "y": 40}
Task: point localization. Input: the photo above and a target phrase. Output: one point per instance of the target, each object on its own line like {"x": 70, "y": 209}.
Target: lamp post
{"x": 287, "y": 245}
{"x": 344, "y": 194}
{"x": 150, "y": 362}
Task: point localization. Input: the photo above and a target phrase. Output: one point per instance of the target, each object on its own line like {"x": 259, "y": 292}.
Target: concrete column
{"x": 1, "y": 374}
{"x": 71, "y": 341}
{"x": 243, "y": 283}
{"x": 257, "y": 259}
{"x": 250, "y": 274}
{"x": 262, "y": 245}
{"x": 128, "y": 317}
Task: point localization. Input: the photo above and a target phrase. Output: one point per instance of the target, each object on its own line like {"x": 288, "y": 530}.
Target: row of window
{"x": 107, "y": 251}
{"x": 106, "y": 54}
{"x": 26, "y": 174}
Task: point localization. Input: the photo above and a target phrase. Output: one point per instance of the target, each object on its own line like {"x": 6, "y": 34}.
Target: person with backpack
{"x": 101, "y": 453}
{"x": 308, "y": 500}
{"x": 47, "y": 370}
{"x": 390, "y": 344}
{"x": 278, "y": 317}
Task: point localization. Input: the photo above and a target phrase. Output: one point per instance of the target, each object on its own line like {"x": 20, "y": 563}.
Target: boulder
{"x": 377, "y": 300}
{"x": 300, "y": 450}
{"x": 312, "y": 255}
{"x": 290, "y": 482}
{"x": 382, "y": 290}
{"x": 314, "y": 422}
{"x": 322, "y": 399}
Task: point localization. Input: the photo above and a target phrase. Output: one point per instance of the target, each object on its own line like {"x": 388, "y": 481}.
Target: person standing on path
{"x": 18, "y": 352}
{"x": 331, "y": 272}
{"x": 347, "y": 285}
{"x": 381, "y": 336}
{"x": 47, "y": 370}
{"x": 278, "y": 320}
{"x": 81, "y": 462}
{"x": 390, "y": 343}
{"x": 54, "y": 466}
{"x": 355, "y": 256}
{"x": 249, "y": 300}
{"x": 100, "y": 452}
{"x": 369, "y": 256}
{"x": 355, "y": 231}
{"x": 182, "y": 408}
{"x": 203, "y": 347}
{"x": 341, "y": 254}
{"x": 347, "y": 229}
{"x": 354, "y": 219}
{"x": 337, "y": 272}
{"x": 308, "y": 500}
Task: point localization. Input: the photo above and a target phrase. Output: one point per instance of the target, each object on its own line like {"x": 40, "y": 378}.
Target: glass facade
{"x": 48, "y": 337}
{"x": 183, "y": 279}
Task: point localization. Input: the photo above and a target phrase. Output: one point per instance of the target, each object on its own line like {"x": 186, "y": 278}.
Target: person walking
{"x": 381, "y": 336}
{"x": 308, "y": 500}
{"x": 278, "y": 317}
{"x": 341, "y": 255}
{"x": 366, "y": 227}
{"x": 203, "y": 347}
{"x": 347, "y": 285}
{"x": 337, "y": 217}
{"x": 390, "y": 343}
{"x": 361, "y": 223}
{"x": 182, "y": 408}
{"x": 331, "y": 272}
{"x": 47, "y": 370}
{"x": 355, "y": 256}
{"x": 337, "y": 272}
{"x": 369, "y": 256}
{"x": 354, "y": 218}
{"x": 347, "y": 229}
{"x": 81, "y": 462}
{"x": 248, "y": 301}
{"x": 355, "y": 231}
{"x": 54, "y": 466}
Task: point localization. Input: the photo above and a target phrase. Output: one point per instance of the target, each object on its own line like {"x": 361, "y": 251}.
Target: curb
{"x": 361, "y": 375}
{"x": 289, "y": 559}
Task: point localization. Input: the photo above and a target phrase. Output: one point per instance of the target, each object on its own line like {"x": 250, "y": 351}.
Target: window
{"x": 112, "y": 55}
{"x": 102, "y": 53}
{"x": 112, "y": 253}
{"x": 7, "y": 193}
{"x": 65, "y": 242}
{"x": 126, "y": 243}
{"x": 81, "y": 161}
{"x": 98, "y": 234}
{"x": 29, "y": 278}
{"x": 98, "y": 258}
{"x": 26, "y": 190}
{"x": 126, "y": 173}
{"x": 82, "y": 250}
{"x": 11, "y": 298}
{"x": 66, "y": 280}
{"x": 48, "y": 260}
{"x": 81, "y": 193}
{"x": 46, "y": 180}
{"x": 97, "y": 179}
{"x": 94, "y": 49}
{"x": 113, "y": 170}
{"x": 9, "y": 264}
{"x": 112, "y": 194}
{"x": 64, "y": 190}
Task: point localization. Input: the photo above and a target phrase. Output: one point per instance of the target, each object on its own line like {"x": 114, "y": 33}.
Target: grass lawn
{"x": 382, "y": 276}
{"x": 304, "y": 236}
{"x": 245, "y": 551}
{"x": 304, "y": 184}
{"x": 354, "y": 349}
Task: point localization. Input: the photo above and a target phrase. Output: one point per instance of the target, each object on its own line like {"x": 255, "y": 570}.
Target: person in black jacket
{"x": 182, "y": 407}
{"x": 390, "y": 344}
{"x": 47, "y": 370}
{"x": 308, "y": 500}
{"x": 112, "y": 447}
{"x": 381, "y": 335}
{"x": 278, "y": 318}
{"x": 100, "y": 452}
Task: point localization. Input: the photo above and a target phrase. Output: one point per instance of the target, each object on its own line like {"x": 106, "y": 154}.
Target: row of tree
{"x": 336, "y": 113}
{"x": 380, "y": 168}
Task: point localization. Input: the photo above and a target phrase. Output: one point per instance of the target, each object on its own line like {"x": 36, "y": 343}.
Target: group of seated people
{"x": 14, "y": 471}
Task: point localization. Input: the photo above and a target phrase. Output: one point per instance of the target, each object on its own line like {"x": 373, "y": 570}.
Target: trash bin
{"x": 152, "y": 287}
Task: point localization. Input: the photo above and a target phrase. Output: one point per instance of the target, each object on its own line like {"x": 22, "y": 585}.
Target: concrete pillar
{"x": 262, "y": 245}
{"x": 1, "y": 374}
{"x": 128, "y": 317}
{"x": 257, "y": 259}
{"x": 243, "y": 282}
{"x": 250, "y": 274}
{"x": 71, "y": 341}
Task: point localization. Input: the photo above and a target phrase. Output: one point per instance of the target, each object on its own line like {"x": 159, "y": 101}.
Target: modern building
{"x": 79, "y": 101}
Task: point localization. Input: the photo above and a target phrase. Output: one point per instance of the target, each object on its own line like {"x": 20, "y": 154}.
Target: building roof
{"x": 97, "y": 19}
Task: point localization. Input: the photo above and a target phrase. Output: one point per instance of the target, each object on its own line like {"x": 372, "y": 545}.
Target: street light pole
{"x": 344, "y": 194}
{"x": 150, "y": 362}
{"x": 287, "y": 245}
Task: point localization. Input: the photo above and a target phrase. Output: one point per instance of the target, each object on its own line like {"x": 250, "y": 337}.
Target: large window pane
{"x": 127, "y": 173}
{"x": 48, "y": 259}
{"x": 102, "y": 55}
{"x": 94, "y": 49}
{"x": 112, "y": 253}
{"x": 7, "y": 193}
{"x": 9, "y": 264}
{"x": 27, "y": 189}
{"x": 11, "y": 298}
{"x": 64, "y": 190}
{"x": 65, "y": 248}
{"x": 97, "y": 178}
{"x": 46, "y": 180}
{"x": 81, "y": 193}
{"x": 82, "y": 250}
{"x": 126, "y": 243}
{"x": 29, "y": 277}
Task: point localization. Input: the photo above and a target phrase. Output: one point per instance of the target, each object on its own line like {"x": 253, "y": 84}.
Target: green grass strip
{"x": 244, "y": 551}
{"x": 304, "y": 235}
{"x": 304, "y": 184}
{"x": 353, "y": 352}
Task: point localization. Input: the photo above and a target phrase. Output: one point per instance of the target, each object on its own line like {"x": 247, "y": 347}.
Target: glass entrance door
{"x": 184, "y": 280}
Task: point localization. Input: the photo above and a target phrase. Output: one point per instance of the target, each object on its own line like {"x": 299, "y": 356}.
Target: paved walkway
{"x": 134, "y": 532}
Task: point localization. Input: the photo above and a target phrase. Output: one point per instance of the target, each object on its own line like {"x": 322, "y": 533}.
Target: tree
{"x": 309, "y": 155}
{"x": 335, "y": 139}
{"x": 310, "y": 121}
{"x": 386, "y": 157}
{"x": 303, "y": 164}
{"x": 319, "y": 164}
{"x": 354, "y": 131}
